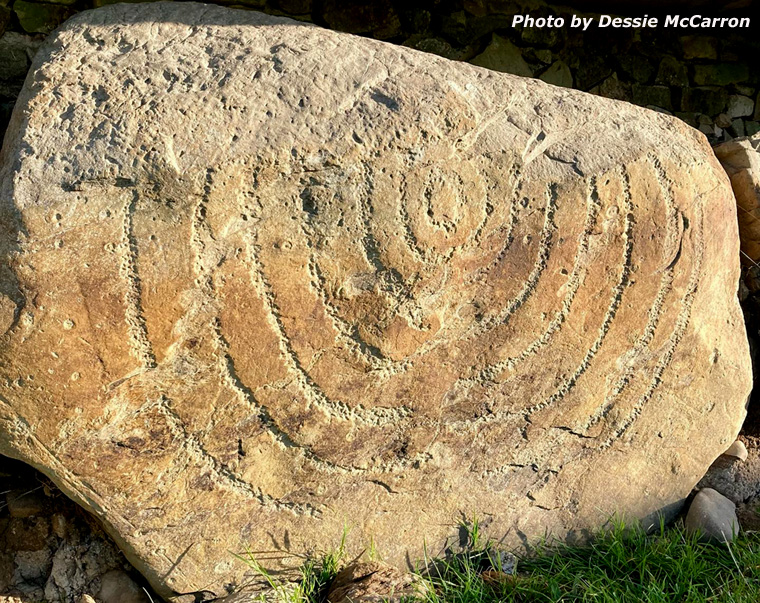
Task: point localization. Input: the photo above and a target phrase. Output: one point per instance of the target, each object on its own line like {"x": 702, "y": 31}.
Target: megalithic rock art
{"x": 261, "y": 281}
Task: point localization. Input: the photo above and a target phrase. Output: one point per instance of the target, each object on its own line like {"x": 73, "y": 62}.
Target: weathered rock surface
{"x": 264, "y": 281}
{"x": 741, "y": 160}
{"x": 735, "y": 478}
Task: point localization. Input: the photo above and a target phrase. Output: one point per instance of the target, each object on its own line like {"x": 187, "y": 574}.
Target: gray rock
{"x": 752, "y": 127}
{"x": 740, "y": 106}
{"x": 502, "y": 55}
{"x": 713, "y": 517}
{"x": 558, "y": 75}
{"x": 737, "y": 128}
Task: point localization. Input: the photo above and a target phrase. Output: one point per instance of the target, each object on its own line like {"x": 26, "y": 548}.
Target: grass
{"x": 621, "y": 565}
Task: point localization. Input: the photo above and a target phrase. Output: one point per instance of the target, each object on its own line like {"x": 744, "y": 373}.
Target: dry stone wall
{"x": 261, "y": 281}
{"x": 708, "y": 78}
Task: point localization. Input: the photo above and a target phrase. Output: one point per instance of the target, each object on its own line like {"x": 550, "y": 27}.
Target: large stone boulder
{"x": 262, "y": 282}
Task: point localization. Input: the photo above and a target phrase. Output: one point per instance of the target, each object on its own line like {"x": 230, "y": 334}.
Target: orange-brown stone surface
{"x": 262, "y": 281}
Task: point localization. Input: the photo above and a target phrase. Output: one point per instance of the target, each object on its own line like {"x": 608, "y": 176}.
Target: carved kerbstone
{"x": 261, "y": 281}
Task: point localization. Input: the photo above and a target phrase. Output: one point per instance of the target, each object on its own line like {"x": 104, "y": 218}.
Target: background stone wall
{"x": 708, "y": 78}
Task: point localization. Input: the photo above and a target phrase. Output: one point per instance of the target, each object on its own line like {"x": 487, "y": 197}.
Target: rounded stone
{"x": 117, "y": 586}
{"x": 713, "y": 517}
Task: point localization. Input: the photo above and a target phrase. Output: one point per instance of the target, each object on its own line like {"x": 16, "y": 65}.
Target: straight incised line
{"x": 138, "y": 332}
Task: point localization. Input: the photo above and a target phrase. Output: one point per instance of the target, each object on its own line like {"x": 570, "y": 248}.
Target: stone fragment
{"x": 60, "y": 526}
{"x": 502, "y": 55}
{"x": 118, "y": 587}
{"x": 699, "y": 47}
{"x": 85, "y": 598}
{"x": 672, "y": 72}
{"x": 741, "y": 160}
{"x": 374, "y": 582}
{"x": 752, "y": 127}
{"x": 713, "y": 517}
{"x": 737, "y": 450}
{"x": 737, "y": 128}
{"x": 307, "y": 279}
{"x": 720, "y": 74}
{"x": 558, "y": 74}
{"x": 723, "y": 120}
{"x": 740, "y": 106}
